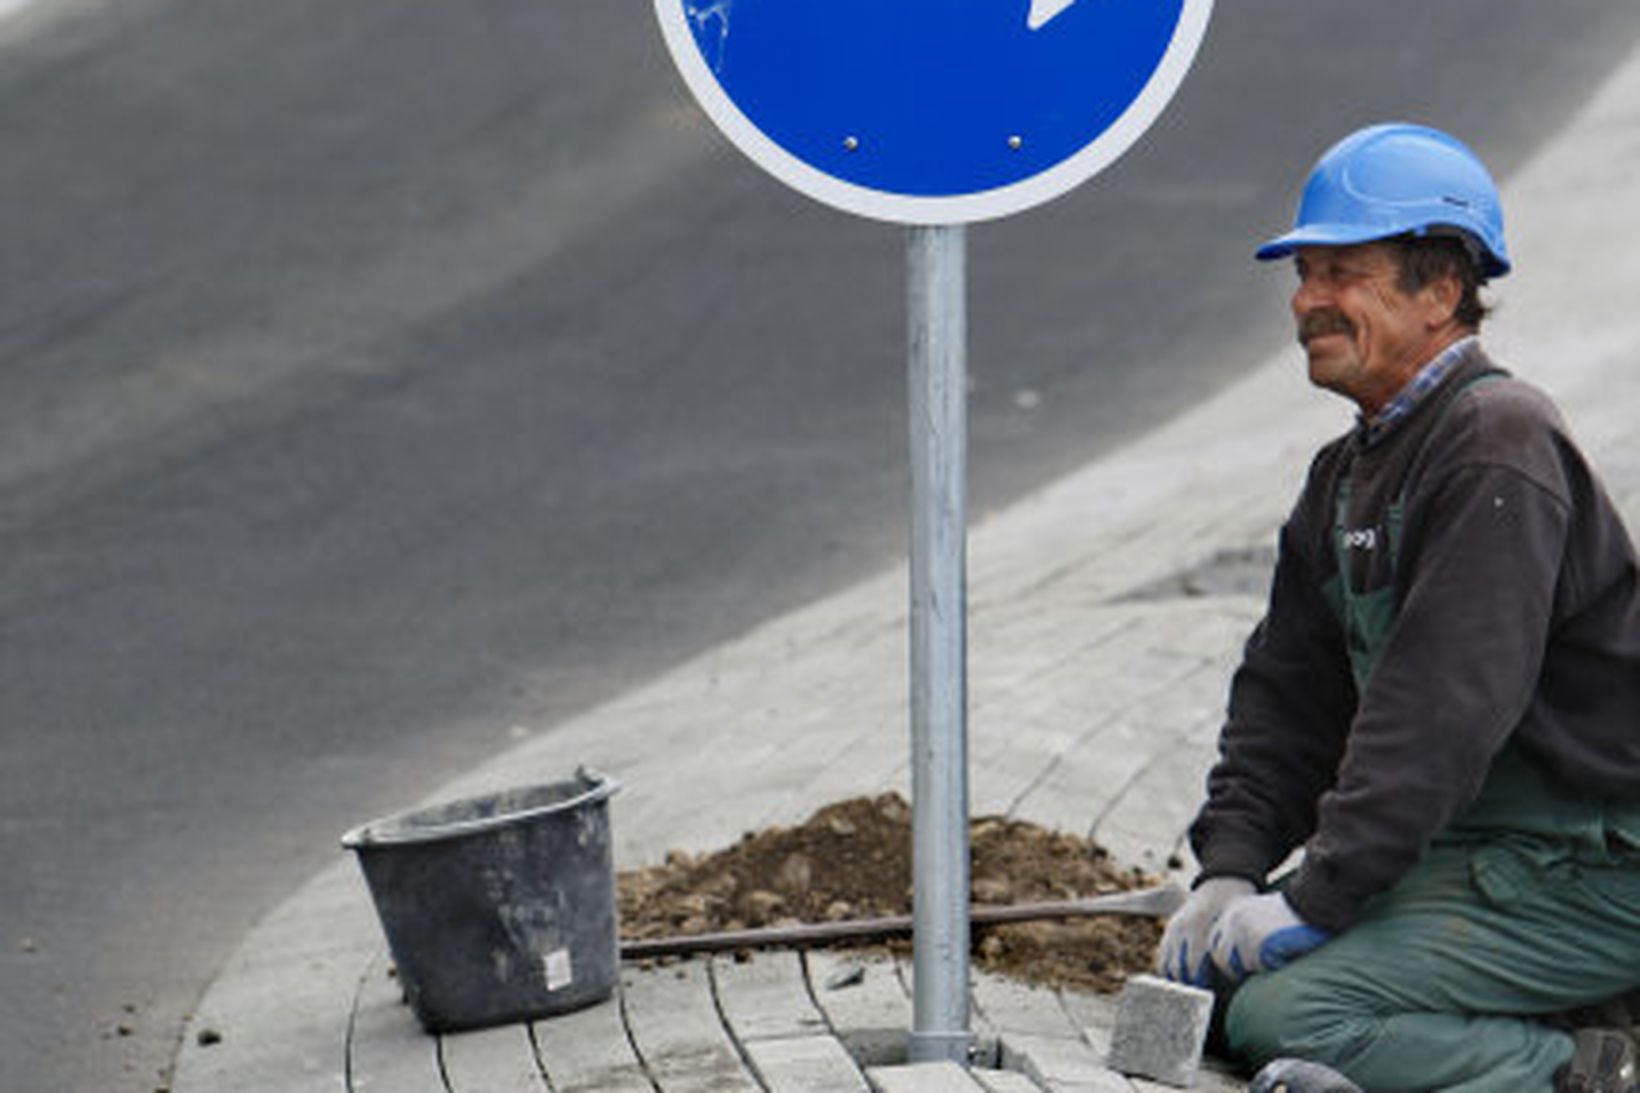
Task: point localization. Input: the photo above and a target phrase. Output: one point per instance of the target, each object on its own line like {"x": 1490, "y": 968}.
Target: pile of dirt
{"x": 853, "y": 860}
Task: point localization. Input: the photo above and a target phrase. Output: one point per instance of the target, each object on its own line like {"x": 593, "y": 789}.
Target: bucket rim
{"x": 389, "y": 830}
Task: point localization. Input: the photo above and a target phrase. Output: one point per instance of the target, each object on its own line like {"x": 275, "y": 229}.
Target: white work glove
{"x": 1185, "y": 953}
{"x": 1260, "y": 934}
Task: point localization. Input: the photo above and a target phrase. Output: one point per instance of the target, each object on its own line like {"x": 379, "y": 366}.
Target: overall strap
{"x": 1367, "y": 617}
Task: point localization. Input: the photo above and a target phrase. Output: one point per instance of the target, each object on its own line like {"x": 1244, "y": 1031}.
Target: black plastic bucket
{"x": 498, "y": 908}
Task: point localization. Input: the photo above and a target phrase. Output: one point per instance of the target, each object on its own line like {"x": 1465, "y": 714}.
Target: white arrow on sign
{"x": 1043, "y": 10}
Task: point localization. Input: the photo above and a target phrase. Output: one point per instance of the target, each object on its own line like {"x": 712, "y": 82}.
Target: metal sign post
{"x": 935, "y": 114}
{"x": 936, "y": 298}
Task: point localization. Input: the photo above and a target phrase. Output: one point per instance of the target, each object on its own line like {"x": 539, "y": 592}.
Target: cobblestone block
{"x": 1160, "y": 1029}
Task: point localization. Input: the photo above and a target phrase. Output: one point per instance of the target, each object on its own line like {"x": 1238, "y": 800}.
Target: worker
{"x": 1441, "y": 706}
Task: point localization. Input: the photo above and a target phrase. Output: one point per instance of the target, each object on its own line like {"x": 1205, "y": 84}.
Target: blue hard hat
{"x": 1395, "y": 179}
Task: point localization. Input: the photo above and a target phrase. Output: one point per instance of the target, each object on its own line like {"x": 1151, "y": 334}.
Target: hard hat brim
{"x": 1344, "y": 235}
{"x": 1320, "y": 235}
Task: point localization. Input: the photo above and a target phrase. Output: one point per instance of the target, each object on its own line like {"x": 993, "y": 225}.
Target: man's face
{"x": 1364, "y": 336}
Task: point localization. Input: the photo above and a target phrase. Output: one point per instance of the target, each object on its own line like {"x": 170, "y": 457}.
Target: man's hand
{"x": 1260, "y": 934}
{"x": 1184, "y": 955}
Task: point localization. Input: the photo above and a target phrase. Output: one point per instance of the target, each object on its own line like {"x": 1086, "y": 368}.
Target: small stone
{"x": 984, "y": 829}
{"x": 891, "y": 806}
{"x": 796, "y": 874}
{"x": 849, "y": 975}
{"x": 758, "y": 906}
{"x": 992, "y": 890}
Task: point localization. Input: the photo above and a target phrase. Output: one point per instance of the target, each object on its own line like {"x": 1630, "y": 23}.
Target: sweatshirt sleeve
{"x": 1290, "y": 702}
{"x": 1483, "y": 546}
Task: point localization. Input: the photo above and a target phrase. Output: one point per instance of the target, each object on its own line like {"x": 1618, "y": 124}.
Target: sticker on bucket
{"x": 558, "y": 971}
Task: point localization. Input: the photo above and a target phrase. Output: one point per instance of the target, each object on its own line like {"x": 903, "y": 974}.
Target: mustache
{"x": 1316, "y": 324}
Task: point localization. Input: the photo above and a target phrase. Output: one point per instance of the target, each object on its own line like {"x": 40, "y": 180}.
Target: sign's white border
{"x": 957, "y": 208}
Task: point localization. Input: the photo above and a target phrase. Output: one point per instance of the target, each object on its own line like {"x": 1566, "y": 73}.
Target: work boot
{"x": 1299, "y": 1076}
{"x": 1604, "y": 1060}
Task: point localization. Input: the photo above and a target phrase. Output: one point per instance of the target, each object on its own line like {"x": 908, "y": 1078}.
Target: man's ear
{"x": 1441, "y": 297}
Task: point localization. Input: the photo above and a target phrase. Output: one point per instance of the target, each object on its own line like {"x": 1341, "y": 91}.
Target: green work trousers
{"x": 1439, "y": 984}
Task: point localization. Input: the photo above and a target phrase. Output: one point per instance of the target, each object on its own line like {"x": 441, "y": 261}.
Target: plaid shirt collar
{"x": 1416, "y": 390}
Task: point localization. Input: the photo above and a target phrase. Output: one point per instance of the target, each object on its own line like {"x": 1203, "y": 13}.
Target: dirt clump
{"x": 852, "y": 860}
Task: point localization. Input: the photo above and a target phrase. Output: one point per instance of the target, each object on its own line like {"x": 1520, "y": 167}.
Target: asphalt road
{"x": 381, "y": 381}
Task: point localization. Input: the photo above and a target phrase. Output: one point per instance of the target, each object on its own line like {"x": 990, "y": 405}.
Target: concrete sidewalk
{"x": 1106, "y": 613}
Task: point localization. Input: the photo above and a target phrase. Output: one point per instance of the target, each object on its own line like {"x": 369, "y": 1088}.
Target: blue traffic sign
{"x": 933, "y": 111}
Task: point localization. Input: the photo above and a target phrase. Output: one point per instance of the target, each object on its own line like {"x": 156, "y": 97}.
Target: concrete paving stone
{"x": 1090, "y": 790}
{"x": 871, "y": 1016}
{"x": 1093, "y": 1014}
{"x": 587, "y": 1051}
{"x": 807, "y": 1064}
{"x": 1003, "y": 1081}
{"x": 999, "y": 734}
{"x": 1096, "y": 1015}
{"x": 1133, "y": 801}
{"x": 674, "y": 1025}
{"x": 1097, "y": 769}
{"x": 1039, "y": 1037}
{"x": 1215, "y": 1078}
{"x": 1195, "y": 697}
{"x": 853, "y": 752}
{"x": 940, "y": 1077}
{"x": 766, "y": 997}
{"x": 1020, "y": 653}
{"x": 387, "y": 1051}
{"x": 1027, "y": 637}
{"x": 1060, "y": 1064}
{"x": 1007, "y": 767}
{"x": 1141, "y": 849}
{"x": 1056, "y": 807}
{"x": 1161, "y": 1028}
{"x": 1148, "y": 822}
{"x": 1179, "y": 538}
{"x": 1127, "y": 666}
{"x": 496, "y": 1060}
{"x": 1082, "y": 694}
{"x": 1011, "y": 1006}
{"x": 277, "y": 1016}
{"x": 1212, "y": 628}
{"x": 1030, "y": 737}
{"x": 877, "y": 762}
